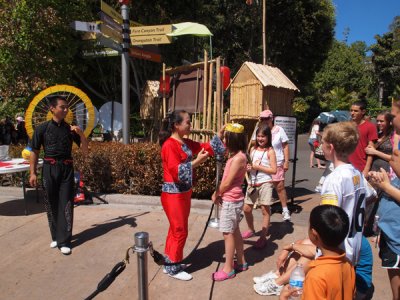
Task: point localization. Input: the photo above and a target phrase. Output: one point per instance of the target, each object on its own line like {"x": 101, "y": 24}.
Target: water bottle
{"x": 296, "y": 282}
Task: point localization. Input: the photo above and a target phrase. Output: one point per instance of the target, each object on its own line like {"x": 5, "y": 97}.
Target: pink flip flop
{"x": 248, "y": 234}
{"x": 240, "y": 268}
{"x": 221, "y": 275}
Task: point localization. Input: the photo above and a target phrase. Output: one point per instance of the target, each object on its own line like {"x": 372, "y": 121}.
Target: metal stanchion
{"x": 214, "y": 222}
{"x": 141, "y": 247}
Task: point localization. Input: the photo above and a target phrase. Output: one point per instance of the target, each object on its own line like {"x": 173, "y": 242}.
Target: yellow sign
{"x": 151, "y": 30}
{"x": 150, "y": 40}
{"x": 107, "y": 9}
{"x": 111, "y": 12}
{"x": 112, "y": 33}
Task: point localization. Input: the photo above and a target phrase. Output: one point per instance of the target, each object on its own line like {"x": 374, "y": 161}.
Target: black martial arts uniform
{"x": 58, "y": 177}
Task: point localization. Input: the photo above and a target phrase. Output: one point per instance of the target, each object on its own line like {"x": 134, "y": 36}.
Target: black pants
{"x": 58, "y": 183}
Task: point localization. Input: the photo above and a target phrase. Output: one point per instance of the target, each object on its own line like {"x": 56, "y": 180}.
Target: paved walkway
{"x": 29, "y": 269}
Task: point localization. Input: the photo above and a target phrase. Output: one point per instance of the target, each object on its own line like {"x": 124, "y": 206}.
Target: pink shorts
{"x": 280, "y": 174}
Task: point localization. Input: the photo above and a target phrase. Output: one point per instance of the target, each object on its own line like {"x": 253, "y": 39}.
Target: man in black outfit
{"x": 56, "y": 137}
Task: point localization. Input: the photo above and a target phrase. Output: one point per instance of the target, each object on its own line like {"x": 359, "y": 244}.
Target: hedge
{"x": 112, "y": 167}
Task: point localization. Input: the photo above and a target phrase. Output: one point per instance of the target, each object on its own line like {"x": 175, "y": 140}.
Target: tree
{"x": 344, "y": 68}
{"x": 386, "y": 59}
{"x": 37, "y": 45}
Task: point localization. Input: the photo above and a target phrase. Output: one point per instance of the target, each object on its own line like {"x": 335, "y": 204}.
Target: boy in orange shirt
{"x": 331, "y": 276}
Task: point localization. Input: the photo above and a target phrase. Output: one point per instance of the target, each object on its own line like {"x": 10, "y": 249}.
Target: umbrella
{"x": 334, "y": 116}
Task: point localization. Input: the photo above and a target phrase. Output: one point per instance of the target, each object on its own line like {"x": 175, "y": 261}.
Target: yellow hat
{"x": 234, "y": 127}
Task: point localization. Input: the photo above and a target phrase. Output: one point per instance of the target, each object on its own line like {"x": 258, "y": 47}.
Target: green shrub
{"x": 133, "y": 169}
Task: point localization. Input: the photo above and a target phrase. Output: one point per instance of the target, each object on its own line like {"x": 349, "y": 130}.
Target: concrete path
{"x": 29, "y": 269}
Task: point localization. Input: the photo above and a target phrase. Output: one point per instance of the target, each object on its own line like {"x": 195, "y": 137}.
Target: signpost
{"x": 151, "y": 30}
{"x": 86, "y": 26}
{"x": 107, "y": 20}
{"x": 109, "y": 43}
{"x": 108, "y": 31}
{"x": 150, "y": 40}
{"x": 111, "y": 12}
{"x": 143, "y": 54}
{"x": 100, "y": 53}
{"x": 289, "y": 124}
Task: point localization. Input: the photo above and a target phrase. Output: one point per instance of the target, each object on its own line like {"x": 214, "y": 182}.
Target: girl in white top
{"x": 259, "y": 191}
{"x": 314, "y": 134}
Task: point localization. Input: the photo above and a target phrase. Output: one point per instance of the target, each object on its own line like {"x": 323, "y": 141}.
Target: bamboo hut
{"x": 151, "y": 109}
{"x": 258, "y": 87}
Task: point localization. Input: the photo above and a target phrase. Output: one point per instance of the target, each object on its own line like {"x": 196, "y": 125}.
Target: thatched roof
{"x": 269, "y": 76}
{"x": 152, "y": 86}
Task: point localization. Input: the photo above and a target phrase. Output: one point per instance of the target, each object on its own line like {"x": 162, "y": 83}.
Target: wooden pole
{"x": 196, "y": 109}
{"x": 215, "y": 112}
{"x": 210, "y": 95}
{"x": 264, "y": 37}
{"x": 164, "y": 108}
{"x": 217, "y": 98}
{"x": 205, "y": 84}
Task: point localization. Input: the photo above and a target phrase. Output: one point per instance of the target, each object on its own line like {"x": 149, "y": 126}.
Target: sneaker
{"x": 183, "y": 267}
{"x": 268, "y": 288}
{"x": 248, "y": 234}
{"x": 53, "y": 244}
{"x": 182, "y": 275}
{"x": 286, "y": 215}
{"x": 264, "y": 278}
{"x": 65, "y": 250}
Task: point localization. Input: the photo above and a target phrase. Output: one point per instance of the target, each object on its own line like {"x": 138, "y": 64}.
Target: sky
{"x": 364, "y": 18}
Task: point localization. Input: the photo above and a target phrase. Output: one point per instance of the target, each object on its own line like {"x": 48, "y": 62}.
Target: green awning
{"x": 189, "y": 28}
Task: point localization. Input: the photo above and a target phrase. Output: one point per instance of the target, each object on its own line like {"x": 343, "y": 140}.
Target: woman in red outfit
{"x": 177, "y": 159}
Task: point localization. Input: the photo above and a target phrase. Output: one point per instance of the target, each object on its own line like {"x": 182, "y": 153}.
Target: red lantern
{"x": 165, "y": 85}
{"x": 226, "y": 76}
{"x": 123, "y": 2}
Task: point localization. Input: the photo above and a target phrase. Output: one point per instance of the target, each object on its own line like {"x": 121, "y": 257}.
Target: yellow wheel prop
{"x": 81, "y": 110}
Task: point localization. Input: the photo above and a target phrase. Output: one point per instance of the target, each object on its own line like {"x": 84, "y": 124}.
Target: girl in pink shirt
{"x": 229, "y": 196}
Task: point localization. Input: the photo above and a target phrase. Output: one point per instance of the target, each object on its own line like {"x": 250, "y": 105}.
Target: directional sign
{"x": 107, "y": 9}
{"x": 89, "y": 36}
{"x": 100, "y": 53}
{"x": 109, "y": 43}
{"x": 151, "y": 30}
{"x": 107, "y": 20}
{"x": 115, "y": 35}
{"x": 142, "y": 54}
{"x": 150, "y": 40}
{"x": 111, "y": 12}
{"x": 85, "y": 26}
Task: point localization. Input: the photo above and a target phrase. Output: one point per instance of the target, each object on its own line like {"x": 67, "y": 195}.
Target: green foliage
{"x": 344, "y": 68}
{"x": 133, "y": 169}
{"x": 37, "y": 45}
{"x": 338, "y": 99}
{"x": 386, "y": 59}
{"x": 13, "y": 108}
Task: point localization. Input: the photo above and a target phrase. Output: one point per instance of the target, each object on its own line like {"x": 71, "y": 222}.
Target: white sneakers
{"x": 268, "y": 288}
{"x": 65, "y": 250}
{"x": 182, "y": 275}
{"x": 286, "y": 215}
{"x": 265, "y": 277}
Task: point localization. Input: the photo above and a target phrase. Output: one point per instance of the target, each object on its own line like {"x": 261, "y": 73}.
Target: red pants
{"x": 177, "y": 209}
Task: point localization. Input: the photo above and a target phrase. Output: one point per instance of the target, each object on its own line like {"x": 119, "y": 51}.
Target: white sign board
{"x": 289, "y": 124}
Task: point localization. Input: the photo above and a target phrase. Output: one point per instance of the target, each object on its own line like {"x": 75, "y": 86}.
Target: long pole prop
{"x": 264, "y": 33}
{"x": 125, "y": 73}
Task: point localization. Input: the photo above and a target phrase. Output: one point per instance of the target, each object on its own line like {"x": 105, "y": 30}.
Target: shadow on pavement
{"x": 16, "y": 207}
{"x": 204, "y": 257}
{"x": 100, "y": 229}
